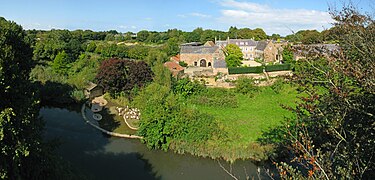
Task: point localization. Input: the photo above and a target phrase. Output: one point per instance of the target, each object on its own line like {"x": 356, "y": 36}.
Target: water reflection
{"x": 106, "y": 157}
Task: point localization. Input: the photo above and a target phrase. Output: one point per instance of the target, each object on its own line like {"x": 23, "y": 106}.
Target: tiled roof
{"x": 176, "y": 58}
{"x": 173, "y": 66}
{"x": 198, "y": 49}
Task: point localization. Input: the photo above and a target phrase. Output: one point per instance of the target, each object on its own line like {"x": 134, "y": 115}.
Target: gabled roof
{"x": 209, "y": 43}
{"x": 174, "y": 67}
{"x": 176, "y": 58}
{"x": 91, "y": 86}
{"x": 198, "y": 49}
{"x": 261, "y": 45}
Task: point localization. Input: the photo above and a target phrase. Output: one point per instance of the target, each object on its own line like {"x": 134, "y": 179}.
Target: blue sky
{"x": 274, "y": 16}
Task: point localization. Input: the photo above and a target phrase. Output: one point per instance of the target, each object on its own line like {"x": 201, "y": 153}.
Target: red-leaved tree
{"x": 122, "y": 75}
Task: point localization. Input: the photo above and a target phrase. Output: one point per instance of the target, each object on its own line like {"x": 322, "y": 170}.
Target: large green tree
{"x": 233, "y": 55}
{"x": 22, "y": 152}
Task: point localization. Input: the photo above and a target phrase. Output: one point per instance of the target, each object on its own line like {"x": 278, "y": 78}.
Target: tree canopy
{"x": 233, "y": 55}
{"x": 119, "y": 75}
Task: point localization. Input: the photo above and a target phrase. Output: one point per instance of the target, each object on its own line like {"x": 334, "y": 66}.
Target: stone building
{"x": 200, "y": 56}
{"x": 268, "y": 51}
{"x": 247, "y": 46}
{"x": 254, "y": 49}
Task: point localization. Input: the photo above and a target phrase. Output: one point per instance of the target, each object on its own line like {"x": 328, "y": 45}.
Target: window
{"x": 209, "y": 64}
{"x": 195, "y": 63}
{"x": 246, "y": 43}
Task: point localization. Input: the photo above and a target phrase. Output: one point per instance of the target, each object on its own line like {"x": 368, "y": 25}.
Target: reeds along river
{"x": 102, "y": 157}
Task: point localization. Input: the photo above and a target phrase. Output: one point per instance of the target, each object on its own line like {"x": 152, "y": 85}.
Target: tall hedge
{"x": 258, "y": 69}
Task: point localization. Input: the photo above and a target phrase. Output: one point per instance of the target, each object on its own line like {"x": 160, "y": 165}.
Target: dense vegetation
{"x": 332, "y": 135}
{"x": 23, "y": 154}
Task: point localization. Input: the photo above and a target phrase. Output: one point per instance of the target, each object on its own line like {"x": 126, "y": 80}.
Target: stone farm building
{"x": 211, "y": 53}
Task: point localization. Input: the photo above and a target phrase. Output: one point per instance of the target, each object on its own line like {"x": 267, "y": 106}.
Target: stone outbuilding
{"x": 200, "y": 56}
{"x": 93, "y": 90}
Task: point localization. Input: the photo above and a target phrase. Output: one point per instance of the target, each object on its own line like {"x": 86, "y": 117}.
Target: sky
{"x": 274, "y": 16}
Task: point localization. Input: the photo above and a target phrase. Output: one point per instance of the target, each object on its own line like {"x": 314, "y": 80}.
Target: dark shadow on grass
{"x": 108, "y": 122}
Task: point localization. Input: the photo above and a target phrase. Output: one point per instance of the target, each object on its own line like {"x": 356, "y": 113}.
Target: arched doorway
{"x": 202, "y": 63}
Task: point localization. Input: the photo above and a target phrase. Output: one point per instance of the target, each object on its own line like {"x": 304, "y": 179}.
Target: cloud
{"x": 272, "y": 20}
{"x": 194, "y": 14}
{"x": 199, "y": 15}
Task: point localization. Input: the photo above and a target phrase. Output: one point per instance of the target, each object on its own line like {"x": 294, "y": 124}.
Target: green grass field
{"x": 254, "y": 115}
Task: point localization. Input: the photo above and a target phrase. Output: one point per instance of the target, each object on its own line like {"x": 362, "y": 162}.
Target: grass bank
{"x": 243, "y": 124}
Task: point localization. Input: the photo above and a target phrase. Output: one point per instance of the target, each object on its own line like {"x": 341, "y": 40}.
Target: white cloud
{"x": 272, "y": 20}
{"x": 199, "y": 15}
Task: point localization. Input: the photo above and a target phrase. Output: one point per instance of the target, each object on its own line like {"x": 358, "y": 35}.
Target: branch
{"x": 229, "y": 173}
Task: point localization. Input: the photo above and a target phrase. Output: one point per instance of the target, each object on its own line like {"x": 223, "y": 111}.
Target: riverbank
{"x": 93, "y": 124}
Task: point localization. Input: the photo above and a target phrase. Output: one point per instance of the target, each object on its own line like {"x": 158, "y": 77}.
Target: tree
{"x": 233, "y": 55}
{"x": 23, "y": 154}
{"x": 333, "y": 134}
{"x": 117, "y": 75}
{"x": 142, "y": 35}
{"x": 288, "y": 55}
{"x": 61, "y": 63}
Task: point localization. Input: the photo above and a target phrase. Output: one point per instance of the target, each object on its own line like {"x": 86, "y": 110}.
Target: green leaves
{"x": 233, "y": 55}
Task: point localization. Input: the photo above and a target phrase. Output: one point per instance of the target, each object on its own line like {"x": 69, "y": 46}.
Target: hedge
{"x": 259, "y": 69}
{"x": 278, "y": 67}
{"x": 245, "y": 70}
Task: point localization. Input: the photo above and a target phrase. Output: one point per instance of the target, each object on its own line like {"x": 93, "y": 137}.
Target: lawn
{"x": 244, "y": 124}
{"x": 113, "y": 122}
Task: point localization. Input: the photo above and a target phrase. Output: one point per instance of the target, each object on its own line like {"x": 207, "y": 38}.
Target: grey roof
{"x": 90, "y": 86}
{"x": 243, "y": 42}
{"x": 198, "y": 49}
{"x": 219, "y": 64}
{"x": 261, "y": 45}
{"x": 192, "y": 44}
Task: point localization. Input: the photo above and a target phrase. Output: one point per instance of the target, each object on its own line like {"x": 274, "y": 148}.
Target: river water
{"x": 102, "y": 157}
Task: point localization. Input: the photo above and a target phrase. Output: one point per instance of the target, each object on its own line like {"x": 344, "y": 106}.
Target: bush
{"x": 246, "y": 85}
{"x": 183, "y": 64}
{"x": 245, "y": 70}
{"x": 217, "y": 97}
{"x": 278, "y": 67}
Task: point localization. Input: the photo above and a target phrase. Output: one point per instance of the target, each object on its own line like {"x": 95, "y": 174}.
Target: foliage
{"x": 185, "y": 87}
{"x": 116, "y": 75}
{"x": 23, "y": 154}
{"x": 183, "y": 64}
{"x": 216, "y": 97}
{"x": 164, "y": 120}
{"x": 288, "y": 55}
{"x": 245, "y": 70}
{"x": 245, "y": 85}
{"x": 233, "y": 55}
{"x": 61, "y": 63}
{"x": 332, "y": 135}
{"x": 277, "y": 67}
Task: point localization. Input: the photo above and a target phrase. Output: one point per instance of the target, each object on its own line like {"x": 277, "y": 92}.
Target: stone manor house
{"x": 211, "y": 53}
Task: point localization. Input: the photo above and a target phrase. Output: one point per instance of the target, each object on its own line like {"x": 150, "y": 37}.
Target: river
{"x": 102, "y": 157}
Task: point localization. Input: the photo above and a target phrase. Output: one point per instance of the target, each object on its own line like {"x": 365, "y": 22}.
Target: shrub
{"x": 246, "y": 85}
{"x": 245, "y": 70}
{"x": 278, "y": 67}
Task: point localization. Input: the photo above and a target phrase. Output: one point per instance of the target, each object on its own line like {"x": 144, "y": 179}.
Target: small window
{"x": 209, "y": 64}
{"x": 195, "y": 64}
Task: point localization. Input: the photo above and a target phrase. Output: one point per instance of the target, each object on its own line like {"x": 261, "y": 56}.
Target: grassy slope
{"x": 253, "y": 115}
